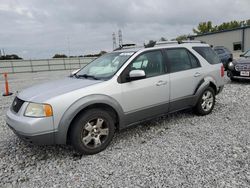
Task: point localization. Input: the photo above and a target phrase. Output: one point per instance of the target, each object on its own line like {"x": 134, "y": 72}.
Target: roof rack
{"x": 177, "y": 42}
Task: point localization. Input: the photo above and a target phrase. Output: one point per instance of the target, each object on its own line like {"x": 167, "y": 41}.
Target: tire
{"x": 206, "y": 102}
{"x": 92, "y": 131}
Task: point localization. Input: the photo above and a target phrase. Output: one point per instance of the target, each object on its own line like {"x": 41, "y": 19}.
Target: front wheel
{"x": 206, "y": 102}
{"x": 92, "y": 131}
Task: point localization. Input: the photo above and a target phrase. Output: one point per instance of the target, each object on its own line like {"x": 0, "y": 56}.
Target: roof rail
{"x": 126, "y": 46}
{"x": 166, "y": 42}
{"x": 190, "y": 41}
{"x": 177, "y": 42}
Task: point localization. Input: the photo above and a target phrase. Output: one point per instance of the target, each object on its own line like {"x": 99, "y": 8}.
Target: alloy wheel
{"x": 94, "y": 133}
{"x": 207, "y": 100}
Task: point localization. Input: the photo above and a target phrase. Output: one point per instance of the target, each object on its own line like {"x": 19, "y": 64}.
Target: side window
{"x": 179, "y": 59}
{"x": 194, "y": 61}
{"x": 150, "y": 62}
{"x": 140, "y": 63}
{"x": 208, "y": 54}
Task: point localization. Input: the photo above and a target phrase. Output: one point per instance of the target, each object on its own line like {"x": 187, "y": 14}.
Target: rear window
{"x": 219, "y": 51}
{"x": 208, "y": 54}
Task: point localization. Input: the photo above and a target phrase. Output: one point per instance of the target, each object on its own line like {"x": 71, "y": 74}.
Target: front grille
{"x": 17, "y": 104}
{"x": 242, "y": 67}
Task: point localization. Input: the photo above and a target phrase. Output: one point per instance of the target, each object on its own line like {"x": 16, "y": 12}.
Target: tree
{"x": 204, "y": 27}
{"x": 181, "y": 37}
{"x": 9, "y": 57}
{"x": 59, "y": 56}
{"x": 163, "y": 39}
{"x": 96, "y": 55}
{"x": 102, "y": 52}
{"x": 151, "y": 43}
{"x": 248, "y": 22}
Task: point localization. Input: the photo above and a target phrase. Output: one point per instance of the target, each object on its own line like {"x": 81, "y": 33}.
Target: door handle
{"x": 197, "y": 74}
{"x": 161, "y": 82}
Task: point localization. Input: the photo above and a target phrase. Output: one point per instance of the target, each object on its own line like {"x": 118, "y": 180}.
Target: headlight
{"x": 38, "y": 110}
{"x": 231, "y": 65}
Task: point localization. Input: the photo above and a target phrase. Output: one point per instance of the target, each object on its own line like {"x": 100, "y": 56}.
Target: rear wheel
{"x": 206, "y": 102}
{"x": 92, "y": 131}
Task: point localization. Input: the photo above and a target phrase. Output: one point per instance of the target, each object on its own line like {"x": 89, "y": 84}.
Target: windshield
{"x": 105, "y": 66}
{"x": 247, "y": 54}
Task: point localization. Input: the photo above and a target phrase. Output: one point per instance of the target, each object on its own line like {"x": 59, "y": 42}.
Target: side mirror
{"x": 137, "y": 74}
{"x": 73, "y": 72}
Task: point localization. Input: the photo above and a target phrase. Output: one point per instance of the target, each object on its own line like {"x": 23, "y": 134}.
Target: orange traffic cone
{"x": 7, "y": 93}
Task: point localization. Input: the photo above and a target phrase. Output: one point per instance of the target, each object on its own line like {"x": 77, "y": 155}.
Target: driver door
{"x": 147, "y": 97}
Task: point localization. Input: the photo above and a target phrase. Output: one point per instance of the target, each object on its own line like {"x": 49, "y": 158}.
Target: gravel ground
{"x": 179, "y": 150}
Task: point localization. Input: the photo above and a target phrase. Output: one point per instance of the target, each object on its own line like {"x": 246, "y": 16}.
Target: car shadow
{"x": 241, "y": 81}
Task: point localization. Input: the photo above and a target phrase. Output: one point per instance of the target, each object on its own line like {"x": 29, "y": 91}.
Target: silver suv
{"x": 115, "y": 91}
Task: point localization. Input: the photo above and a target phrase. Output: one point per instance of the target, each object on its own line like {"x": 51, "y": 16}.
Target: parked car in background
{"x": 240, "y": 68}
{"x": 224, "y": 54}
{"x": 245, "y": 53}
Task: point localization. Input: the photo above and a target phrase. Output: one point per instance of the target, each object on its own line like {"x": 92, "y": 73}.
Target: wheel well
{"x": 105, "y": 107}
{"x": 213, "y": 86}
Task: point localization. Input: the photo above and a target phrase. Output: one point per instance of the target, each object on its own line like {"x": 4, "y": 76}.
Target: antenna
{"x": 120, "y": 37}
{"x": 114, "y": 41}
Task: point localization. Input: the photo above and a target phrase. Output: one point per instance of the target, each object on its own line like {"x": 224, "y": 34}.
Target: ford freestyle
{"x": 117, "y": 90}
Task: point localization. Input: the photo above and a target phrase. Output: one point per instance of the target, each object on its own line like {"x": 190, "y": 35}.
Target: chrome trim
{"x": 242, "y": 67}
{"x": 242, "y": 77}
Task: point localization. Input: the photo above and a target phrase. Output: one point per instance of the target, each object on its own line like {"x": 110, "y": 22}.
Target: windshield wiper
{"x": 86, "y": 76}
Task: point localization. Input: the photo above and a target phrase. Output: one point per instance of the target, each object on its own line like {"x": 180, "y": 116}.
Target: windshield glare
{"x": 105, "y": 66}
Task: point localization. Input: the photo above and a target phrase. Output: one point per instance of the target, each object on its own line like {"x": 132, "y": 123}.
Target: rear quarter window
{"x": 208, "y": 54}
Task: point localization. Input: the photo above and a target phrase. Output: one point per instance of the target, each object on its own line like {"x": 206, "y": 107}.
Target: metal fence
{"x": 19, "y": 66}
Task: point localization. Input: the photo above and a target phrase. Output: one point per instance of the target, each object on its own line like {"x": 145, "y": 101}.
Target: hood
{"x": 43, "y": 92}
{"x": 242, "y": 60}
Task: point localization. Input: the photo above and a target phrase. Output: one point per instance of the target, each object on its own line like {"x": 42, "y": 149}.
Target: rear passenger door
{"x": 185, "y": 75}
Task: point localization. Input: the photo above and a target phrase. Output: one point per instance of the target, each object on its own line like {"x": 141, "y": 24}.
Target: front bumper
{"x": 33, "y": 130}
{"x": 42, "y": 139}
{"x": 236, "y": 75}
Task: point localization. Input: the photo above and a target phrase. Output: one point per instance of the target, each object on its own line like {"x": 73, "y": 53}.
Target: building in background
{"x": 236, "y": 40}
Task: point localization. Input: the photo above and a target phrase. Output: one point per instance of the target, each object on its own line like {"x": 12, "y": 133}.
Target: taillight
{"x": 222, "y": 73}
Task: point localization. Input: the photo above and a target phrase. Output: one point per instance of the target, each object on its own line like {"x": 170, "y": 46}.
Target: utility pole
{"x": 68, "y": 47}
{"x": 120, "y": 37}
{"x": 114, "y": 41}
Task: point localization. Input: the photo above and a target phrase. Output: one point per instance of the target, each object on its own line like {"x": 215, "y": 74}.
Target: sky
{"x": 42, "y": 28}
